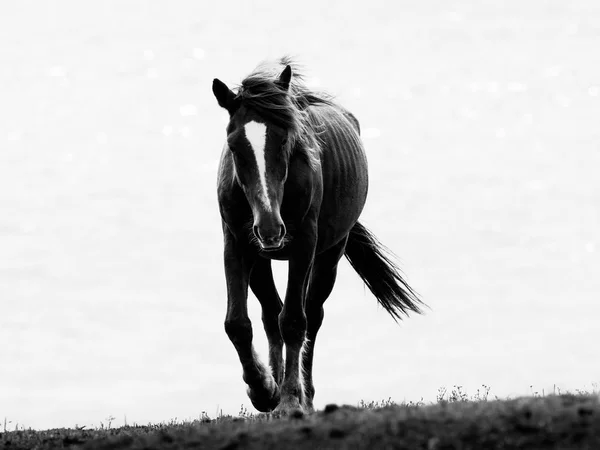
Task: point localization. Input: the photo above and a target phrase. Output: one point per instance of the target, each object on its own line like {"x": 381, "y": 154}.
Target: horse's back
{"x": 352, "y": 118}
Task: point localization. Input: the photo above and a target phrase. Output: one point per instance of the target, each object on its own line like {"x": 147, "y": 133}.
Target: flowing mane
{"x": 288, "y": 109}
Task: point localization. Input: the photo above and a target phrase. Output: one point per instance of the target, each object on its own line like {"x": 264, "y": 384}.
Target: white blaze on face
{"x": 256, "y": 133}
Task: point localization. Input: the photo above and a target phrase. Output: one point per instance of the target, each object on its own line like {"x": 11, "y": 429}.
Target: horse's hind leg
{"x": 263, "y": 286}
{"x": 262, "y": 389}
{"x": 321, "y": 284}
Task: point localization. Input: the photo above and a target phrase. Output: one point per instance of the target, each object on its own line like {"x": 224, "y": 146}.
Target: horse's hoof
{"x": 309, "y": 408}
{"x": 263, "y": 400}
{"x": 291, "y": 408}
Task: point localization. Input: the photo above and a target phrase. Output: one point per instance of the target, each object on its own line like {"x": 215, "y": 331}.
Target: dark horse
{"x": 292, "y": 183}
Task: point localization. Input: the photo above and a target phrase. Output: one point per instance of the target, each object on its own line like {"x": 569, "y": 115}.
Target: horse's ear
{"x": 285, "y": 77}
{"x": 225, "y": 96}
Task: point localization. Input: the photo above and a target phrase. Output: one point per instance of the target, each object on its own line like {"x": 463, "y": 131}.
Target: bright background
{"x": 481, "y": 122}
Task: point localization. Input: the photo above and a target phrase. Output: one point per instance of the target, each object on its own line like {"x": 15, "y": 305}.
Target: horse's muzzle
{"x": 270, "y": 246}
{"x": 270, "y": 241}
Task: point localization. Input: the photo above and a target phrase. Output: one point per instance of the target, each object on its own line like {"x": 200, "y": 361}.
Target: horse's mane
{"x": 288, "y": 109}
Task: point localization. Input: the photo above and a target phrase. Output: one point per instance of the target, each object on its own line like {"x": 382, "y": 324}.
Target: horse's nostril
{"x": 281, "y": 231}
{"x": 256, "y": 232}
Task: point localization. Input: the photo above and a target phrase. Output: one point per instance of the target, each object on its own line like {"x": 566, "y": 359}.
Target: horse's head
{"x": 260, "y": 151}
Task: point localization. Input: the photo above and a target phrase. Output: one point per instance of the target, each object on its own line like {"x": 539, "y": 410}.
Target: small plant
{"x": 458, "y": 394}
{"x": 109, "y": 420}
{"x": 244, "y": 414}
{"x": 594, "y": 391}
{"x": 482, "y": 394}
{"x": 376, "y": 404}
{"x": 441, "y": 395}
{"x": 412, "y": 404}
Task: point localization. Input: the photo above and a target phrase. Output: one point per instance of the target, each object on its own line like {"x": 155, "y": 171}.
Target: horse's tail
{"x": 372, "y": 262}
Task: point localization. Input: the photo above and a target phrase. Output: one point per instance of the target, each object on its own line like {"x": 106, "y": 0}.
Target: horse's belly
{"x": 345, "y": 186}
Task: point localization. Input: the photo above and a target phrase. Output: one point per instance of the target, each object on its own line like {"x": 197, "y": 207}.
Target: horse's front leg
{"x": 262, "y": 388}
{"x": 292, "y": 322}
{"x": 263, "y": 286}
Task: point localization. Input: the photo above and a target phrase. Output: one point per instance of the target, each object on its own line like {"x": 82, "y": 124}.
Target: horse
{"x": 292, "y": 182}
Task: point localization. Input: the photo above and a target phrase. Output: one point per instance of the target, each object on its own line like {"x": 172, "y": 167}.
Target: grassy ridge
{"x": 553, "y": 422}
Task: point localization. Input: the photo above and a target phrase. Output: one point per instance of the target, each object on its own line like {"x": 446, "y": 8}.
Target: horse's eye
{"x": 284, "y": 141}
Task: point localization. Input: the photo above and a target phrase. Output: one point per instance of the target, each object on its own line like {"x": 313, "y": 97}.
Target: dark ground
{"x": 554, "y": 422}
